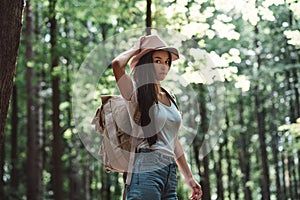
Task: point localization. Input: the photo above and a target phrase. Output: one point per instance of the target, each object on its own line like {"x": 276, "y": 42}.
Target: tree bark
{"x": 205, "y": 183}
{"x": 295, "y": 107}
{"x": 40, "y": 110}
{"x": 10, "y": 31}
{"x": 57, "y": 174}
{"x": 219, "y": 173}
{"x": 260, "y": 117}
{"x": 40, "y": 120}
{"x": 284, "y": 194}
{"x": 148, "y": 17}
{"x": 293, "y": 181}
{"x": 275, "y": 142}
{"x": 244, "y": 157}
{"x": 2, "y": 160}
{"x": 33, "y": 175}
{"x": 296, "y": 91}
{"x": 229, "y": 168}
{"x": 14, "y": 141}
{"x": 87, "y": 179}
{"x": 75, "y": 188}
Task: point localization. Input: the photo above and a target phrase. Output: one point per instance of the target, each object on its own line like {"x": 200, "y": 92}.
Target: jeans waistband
{"x": 155, "y": 153}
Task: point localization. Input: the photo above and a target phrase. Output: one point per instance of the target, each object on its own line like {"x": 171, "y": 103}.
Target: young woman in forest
{"x": 154, "y": 169}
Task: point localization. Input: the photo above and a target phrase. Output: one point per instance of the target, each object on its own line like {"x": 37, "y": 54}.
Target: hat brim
{"x": 172, "y": 50}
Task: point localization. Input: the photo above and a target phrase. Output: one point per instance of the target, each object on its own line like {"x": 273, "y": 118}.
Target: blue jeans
{"x": 154, "y": 177}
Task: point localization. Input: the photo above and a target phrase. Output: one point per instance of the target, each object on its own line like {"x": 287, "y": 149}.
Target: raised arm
{"x": 186, "y": 172}
{"x": 123, "y": 80}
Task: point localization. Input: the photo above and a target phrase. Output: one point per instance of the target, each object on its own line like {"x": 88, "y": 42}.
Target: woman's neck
{"x": 158, "y": 88}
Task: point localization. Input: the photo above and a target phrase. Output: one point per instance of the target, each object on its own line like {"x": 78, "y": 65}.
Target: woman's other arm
{"x": 123, "y": 80}
{"x": 185, "y": 170}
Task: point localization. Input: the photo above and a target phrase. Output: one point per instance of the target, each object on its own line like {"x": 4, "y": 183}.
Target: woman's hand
{"x": 185, "y": 170}
{"x": 196, "y": 189}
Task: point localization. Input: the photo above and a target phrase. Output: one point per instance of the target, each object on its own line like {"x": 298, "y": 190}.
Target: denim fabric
{"x": 154, "y": 178}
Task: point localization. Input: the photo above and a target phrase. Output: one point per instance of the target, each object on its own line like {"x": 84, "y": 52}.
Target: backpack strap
{"x": 171, "y": 96}
{"x": 134, "y": 143}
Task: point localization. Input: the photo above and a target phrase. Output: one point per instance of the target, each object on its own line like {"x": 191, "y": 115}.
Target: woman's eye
{"x": 160, "y": 62}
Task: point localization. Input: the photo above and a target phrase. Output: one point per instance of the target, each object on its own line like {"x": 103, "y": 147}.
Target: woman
{"x": 154, "y": 173}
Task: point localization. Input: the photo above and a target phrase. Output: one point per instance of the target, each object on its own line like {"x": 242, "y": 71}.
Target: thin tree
{"x": 260, "y": 117}
{"x": 57, "y": 174}
{"x": 275, "y": 140}
{"x": 148, "y": 17}
{"x": 219, "y": 173}
{"x": 244, "y": 157}
{"x": 14, "y": 183}
{"x": 228, "y": 158}
{"x": 203, "y": 127}
{"x": 33, "y": 183}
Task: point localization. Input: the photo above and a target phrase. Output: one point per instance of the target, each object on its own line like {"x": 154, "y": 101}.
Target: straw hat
{"x": 149, "y": 43}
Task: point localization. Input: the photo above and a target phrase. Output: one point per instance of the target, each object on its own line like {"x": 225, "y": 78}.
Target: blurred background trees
{"x": 254, "y": 47}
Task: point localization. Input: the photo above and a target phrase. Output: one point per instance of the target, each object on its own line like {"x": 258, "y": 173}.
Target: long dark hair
{"x": 144, "y": 77}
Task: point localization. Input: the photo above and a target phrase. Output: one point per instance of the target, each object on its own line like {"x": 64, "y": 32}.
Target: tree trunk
{"x": 148, "y": 17}
{"x": 219, "y": 173}
{"x": 227, "y": 158}
{"x": 39, "y": 105}
{"x": 292, "y": 113}
{"x": 296, "y": 90}
{"x": 236, "y": 189}
{"x": 260, "y": 117}
{"x": 205, "y": 183}
{"x": 75, "y": 189}
{"x": 118, "y": 189}
{"x": 298, "y": 153}
{"x": 107, "y": 187}
{"x": 57, "y": 174}
{"x": 14, "y": 141}
{"x": 244, "y": 157}
{"x": 33, "y": 177}
{"x": 275, "y": 142}
{"x": 2, "y": 160}
{"x": 39, "y": 116}
{"x": 295, "y": 107}
{"x": 283, "y": 175}
{"x": 40, "y": 129}
{"x": 10, "y": 31}
{"x": 87, "y": 179}
{"x": 292, "y": 175}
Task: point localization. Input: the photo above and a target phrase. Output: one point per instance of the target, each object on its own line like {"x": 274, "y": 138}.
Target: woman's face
{"x": 161, "y": 62}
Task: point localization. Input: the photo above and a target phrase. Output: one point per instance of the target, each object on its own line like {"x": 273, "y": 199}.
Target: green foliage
{"x": 252, "y": 48}
{"x": 292, "y": 133}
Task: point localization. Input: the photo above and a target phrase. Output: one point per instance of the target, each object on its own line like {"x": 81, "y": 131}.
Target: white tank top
{"x": 167, "y": 122}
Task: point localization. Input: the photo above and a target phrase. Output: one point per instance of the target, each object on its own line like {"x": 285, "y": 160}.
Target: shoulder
{"x": 169, "y": 93}
{"x": 171, "y": 96}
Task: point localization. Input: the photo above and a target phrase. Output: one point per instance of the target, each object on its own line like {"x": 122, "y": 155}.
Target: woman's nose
{"x": 164, "y": 66}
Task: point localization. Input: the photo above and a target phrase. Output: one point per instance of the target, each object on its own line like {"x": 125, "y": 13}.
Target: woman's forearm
{"x": 184, "y": 168}
{"x": 123, "y": 80}
{"x": 121, "y": 60}
{"x": 186, "y": 172}
{"x": 182, "y": 162}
